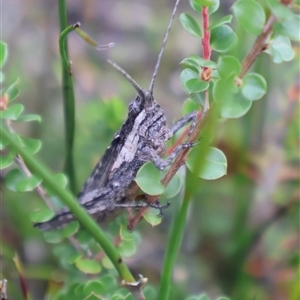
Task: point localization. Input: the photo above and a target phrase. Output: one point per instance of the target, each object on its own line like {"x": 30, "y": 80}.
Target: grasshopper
{"x": 141, "y": 138}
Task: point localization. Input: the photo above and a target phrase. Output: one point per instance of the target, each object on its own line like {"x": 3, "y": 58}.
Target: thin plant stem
{"x": 173, "y": 246}
{"x": 68, "y": 99}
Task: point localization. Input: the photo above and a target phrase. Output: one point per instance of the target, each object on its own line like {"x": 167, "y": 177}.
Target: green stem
{"x": 66, "y": 197}
{"x": 174, "y": 243}
{"x": 68, "y": 96}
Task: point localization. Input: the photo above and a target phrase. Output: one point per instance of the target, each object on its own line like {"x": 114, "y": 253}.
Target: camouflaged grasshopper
{"x": 141, "y": 138}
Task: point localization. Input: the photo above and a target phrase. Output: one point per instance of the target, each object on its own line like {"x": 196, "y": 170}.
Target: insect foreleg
{"x": 191, "y": 117}
{"x": 160, "y": 163}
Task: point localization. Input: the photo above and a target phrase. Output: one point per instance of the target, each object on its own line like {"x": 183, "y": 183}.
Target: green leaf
{"x": 107, "y": 263}
{"x": 16, "y": 181}
{"x": 152, "y": 217}
{"x": 70, "y": 229}
{"x": 6, "y": 160}
{"x": 61, "y": 179}
{"x": 174, "y": 187}
{"x": 92, "y": 296}
{"x": 94, "y": 286}
{"x": 189, "y": 105}
{"x": 12, "y": 112}
{"x": 12, "y": 91}
{"x": 224, "y": 89}
{"x": 289, "y": 28}
{"x": 148, "y": 179}
{"x": 254, "y": 86}
{"x": 194, "y": 62}
{"x": 53, "y": 236}
{"x": 223, "y": 298}
{"x": 3, "y": 53}
{"x": 223, "y": 39}
{"x": 196, "y": 85}
{"x": 279, "y": 10}
{"x": 3, "y": 144}
{"x": 250, "y": 14}
{"x": 125, "y": 234}
{"x": 235, "y": 107}
{"x": 42, "y": 215}
{"x": 73, "y": 258}
{"x": 32, "y": 145}
{"x": 127, "y": 249}
{"x": 212, "y": 5}
{"x": 190, "y": 64}
{"x": 215, "y": 165}
{"x": 281, "y": 49}
{"x": 29, "y": 118}
{"x": 189, "y": 23}
{"x": 185, "y": 76}
{"x": 88, "y": 266}
{"x": 221, "y": 21}
{"x": 231, "y": 104}
{"x": 109, "y": 282}
{"x": 228, "y": 66}
{"x": 28, "y": 184}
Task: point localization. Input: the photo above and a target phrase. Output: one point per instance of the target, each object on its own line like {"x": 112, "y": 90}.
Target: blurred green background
{"x": 242, "y": 234}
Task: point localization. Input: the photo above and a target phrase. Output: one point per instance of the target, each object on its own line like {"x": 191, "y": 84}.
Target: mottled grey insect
{"x": 141, "y": 138}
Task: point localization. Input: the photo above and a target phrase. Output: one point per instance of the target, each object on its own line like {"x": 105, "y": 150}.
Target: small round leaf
{"x": 107, "y": 263}
{"x": 29, "y": 118}
{"x": 189, "y": 105}
{"x": 6, "y": 160}
{"x": 125, "y": 234}
{"x": 12, "y": 112}
{"x": 189, "y": 23}
{"x": 17, "y": 181}
{"x": 32, "y": 145}
{"x": 88, "y": 266}
{"x": 196, "y": 85}
{"x": 53, "y": 236}
{"x": 42, "y": 215}
{"x": 215, "y": 165}
{"x": 148, "y": 179}
{"x": 250, "y": 14}
{"x": 235, "y": 107}
{"x": 289, "y": 28}
{"x": 223, "y": 38}
{"x": 127, "y": 249}
{"x": 228, "y": 66}
{"x": 70, "y": 229}
{"x": 174, "y": 187}
{"x": 73, "y": 258}
{"x": 221, "y": 21}
{"x": 280, "y": 10}
{"x": 223, "y": 89}
{"x": 254, "y": 86}
{"x": 94, "y": 286}
{"x": 152, "y": 217}
{"x": 281, "y": 49}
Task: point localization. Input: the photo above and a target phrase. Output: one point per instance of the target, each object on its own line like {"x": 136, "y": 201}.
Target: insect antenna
{"x": 151, "y": 86}
{"x": 139, "y": 90}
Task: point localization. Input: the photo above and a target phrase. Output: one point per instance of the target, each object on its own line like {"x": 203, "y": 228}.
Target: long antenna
{"x": 139, "y": 90}
{"x": 151, "y": 86}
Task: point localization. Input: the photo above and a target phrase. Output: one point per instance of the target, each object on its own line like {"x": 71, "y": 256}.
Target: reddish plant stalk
{"x": 206, "y": 34}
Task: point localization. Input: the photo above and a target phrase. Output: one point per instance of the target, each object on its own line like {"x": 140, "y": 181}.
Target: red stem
{"x": 206, "y": 34}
